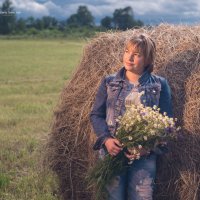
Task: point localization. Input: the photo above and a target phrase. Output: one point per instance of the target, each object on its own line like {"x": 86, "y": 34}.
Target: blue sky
{"x": 149, "y": 11}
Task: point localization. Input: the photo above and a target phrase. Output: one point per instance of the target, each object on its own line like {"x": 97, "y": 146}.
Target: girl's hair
{"x": 146, "y": 46}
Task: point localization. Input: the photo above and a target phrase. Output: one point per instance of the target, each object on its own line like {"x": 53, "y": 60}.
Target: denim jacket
{"x": 109, "y": 103}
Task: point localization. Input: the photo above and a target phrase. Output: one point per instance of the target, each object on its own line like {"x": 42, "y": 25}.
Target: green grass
{"x": 33, "y": 73}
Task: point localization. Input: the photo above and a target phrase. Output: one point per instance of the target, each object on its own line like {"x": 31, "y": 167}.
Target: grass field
{"x": 32, "y": 75}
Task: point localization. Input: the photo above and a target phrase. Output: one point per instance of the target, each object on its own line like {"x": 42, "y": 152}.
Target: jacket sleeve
{"x": 165, "y": 105}
{"x": 98, "y": 116}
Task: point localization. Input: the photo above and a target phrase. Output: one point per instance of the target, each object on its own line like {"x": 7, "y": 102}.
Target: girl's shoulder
{"x": 109, "y": 78}
{"x": 158, "y": 78}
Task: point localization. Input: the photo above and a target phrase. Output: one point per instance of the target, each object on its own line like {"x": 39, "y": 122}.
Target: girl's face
{"x": 133, "y": 60}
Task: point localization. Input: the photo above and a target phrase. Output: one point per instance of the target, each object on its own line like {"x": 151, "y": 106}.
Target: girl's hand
{"x": 113, "y": 146}
{"x": 135, "y": 153}
{"x": 144, "y": 152}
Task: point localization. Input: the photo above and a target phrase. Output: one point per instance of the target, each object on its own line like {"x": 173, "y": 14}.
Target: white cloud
{"x": 143, "y": 9}
{"x": 54, "y": 9}
{"x": 30, "y": 7}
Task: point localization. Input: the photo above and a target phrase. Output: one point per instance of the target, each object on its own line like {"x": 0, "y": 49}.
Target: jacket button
{"x": 154, "y": 92}
{"x": 110, "y": 122}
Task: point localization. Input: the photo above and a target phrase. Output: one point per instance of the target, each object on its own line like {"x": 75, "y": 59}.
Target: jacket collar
{"x": 120, "y": 76}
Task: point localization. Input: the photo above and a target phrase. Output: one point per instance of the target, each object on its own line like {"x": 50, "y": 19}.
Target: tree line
{"x": 121, "y": 19}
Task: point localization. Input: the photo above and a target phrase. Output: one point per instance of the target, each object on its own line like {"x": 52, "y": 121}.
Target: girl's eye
{"x": 134, "y": 54}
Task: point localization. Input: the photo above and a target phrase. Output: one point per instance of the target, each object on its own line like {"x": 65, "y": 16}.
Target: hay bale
{"x": 190, "y": 183}
{"x": 191, "y": 114}
{"x": 69, "y": 145}
{"x": 193, "y": 88}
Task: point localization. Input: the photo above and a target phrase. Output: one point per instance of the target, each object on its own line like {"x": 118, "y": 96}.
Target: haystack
{"x": 70, "y": 142}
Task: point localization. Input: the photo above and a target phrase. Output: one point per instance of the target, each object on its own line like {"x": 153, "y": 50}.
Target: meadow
{"x": 32, "y": 75}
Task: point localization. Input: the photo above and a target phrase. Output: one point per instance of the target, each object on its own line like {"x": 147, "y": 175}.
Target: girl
{"x": 115, "y": 92}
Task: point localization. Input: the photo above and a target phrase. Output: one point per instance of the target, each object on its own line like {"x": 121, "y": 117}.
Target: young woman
{"x": 115, "y": 92}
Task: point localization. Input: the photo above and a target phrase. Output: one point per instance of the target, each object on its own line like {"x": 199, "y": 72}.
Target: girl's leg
{"x": 117, "y": 189}
{"x": 141, "y": 177}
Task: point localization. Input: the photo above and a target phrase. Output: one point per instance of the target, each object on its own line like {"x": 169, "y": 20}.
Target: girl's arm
{"x": 98, "y": 116}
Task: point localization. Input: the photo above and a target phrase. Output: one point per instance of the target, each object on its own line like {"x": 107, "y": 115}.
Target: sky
{"x": 149, "y": 11}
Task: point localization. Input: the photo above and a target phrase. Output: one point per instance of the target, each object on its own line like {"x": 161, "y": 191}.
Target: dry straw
{"x": 68, "y": 148}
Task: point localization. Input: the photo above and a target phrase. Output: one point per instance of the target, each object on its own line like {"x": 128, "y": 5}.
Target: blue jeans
{"x": 136, "y": 183}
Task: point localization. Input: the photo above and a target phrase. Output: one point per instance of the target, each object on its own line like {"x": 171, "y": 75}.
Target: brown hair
{"x": 146, "y": 46}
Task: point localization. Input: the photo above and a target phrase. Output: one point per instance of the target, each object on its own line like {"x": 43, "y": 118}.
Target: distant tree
{"x": 106, "y": 22}
{"x": 38, "y": 24}
{"x": 7, "y": 18}
{"x": 139, "y": 23}
{"x": 46, "y": 22}
{"x": 83, "y": 17}
{"x": 30, "y": 22}
{"x": 73, "y": 20}
{"x": 20, "y": 25}
{"x": 61, "y": 25}
{"x": 123, "y": 18}
{"x": 49, "y": 22}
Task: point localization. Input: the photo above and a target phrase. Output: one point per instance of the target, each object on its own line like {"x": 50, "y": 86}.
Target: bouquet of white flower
{"x": 139, "y": 127}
